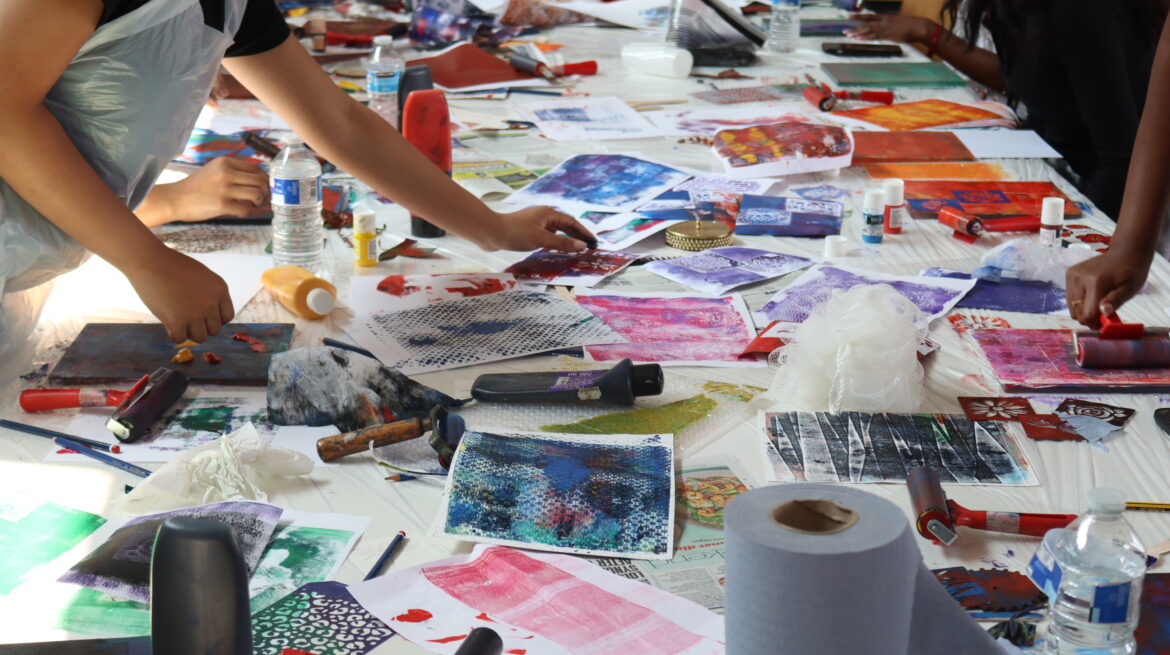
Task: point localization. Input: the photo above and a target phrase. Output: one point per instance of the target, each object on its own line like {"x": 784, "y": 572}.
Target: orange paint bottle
{"x": 301, "y": 292}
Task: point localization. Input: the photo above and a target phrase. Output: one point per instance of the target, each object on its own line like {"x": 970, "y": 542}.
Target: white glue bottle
{"x": 1051, "y": 222}
{"x": 895, "y": 213}
{"x": 873, "y": 214}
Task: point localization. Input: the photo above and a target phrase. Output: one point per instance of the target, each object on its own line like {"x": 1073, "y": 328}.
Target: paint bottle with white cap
{"x": 873, "y": 211}
{"x": 895, "y": 214}
{"x": 1051, "y": 222}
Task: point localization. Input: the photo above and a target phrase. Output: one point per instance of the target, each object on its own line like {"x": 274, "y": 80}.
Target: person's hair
{"x": 1024, "y": 19}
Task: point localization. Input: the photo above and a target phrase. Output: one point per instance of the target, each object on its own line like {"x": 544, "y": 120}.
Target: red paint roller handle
{"x": 820, "y": 97}
{"x": 878, "y": 97}
{"x": 40, "y": 400}
{"x": 1012, "y": 224}
{"x": 1032, "y": 525}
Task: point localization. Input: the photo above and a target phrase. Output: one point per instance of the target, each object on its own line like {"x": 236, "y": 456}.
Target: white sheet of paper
{"x": 586, "y": 118}
{"x": 420, "y": 290}
{"x": 396, "y": 593}
{"x": 1006, "y": 144}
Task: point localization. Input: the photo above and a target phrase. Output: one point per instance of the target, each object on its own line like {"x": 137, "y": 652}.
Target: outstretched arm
{"x": 345, "y": 132}
{"x": 1104, "y": 282}
{"x": 978, "y": 64}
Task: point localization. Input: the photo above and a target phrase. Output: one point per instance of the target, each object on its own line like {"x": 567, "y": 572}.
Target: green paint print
{"x": 31, "y": 536}
{"x": 670, "y": 418}
{"x": 296, "y": 555}
{"x": 91, "y": 612}
{"x": 742, "y": 393}
{"x": 204, "y": 419}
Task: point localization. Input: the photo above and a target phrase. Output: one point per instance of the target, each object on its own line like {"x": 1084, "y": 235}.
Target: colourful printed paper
{"x": 788, "y": 217}
{"x": 539, "y": 604}
{"x": 577, "y": 269}
{"x": 1048, "y": 427}
{"x": 783, "y": 149}
{"x": 475, "y": 330}
{"x": 676, "y": 329}
{"x": 720, "y": 270}
{"x": 583, "y": 494}
{"x": 764, "y": 93}
{"x": 700, "y": 122}
{"x": 606, "y": 183}
{"x": 1007, "y": 408}
{"x": 863, "y": 447}
{"x": 1079, "y": 233}
{"x": 1007, "y": 294}
{"x": 587, "y": 117}
{"x": 121, "y": 565}
{"x": 368, "y": 294}
{"x": 322, "y": 618}
{"x": 886, "y": 74}
{"x": 935, "y": 171}
{"x": 1116, "y": 416}
{"x": 983, "y": 199}
{"x": 496, "y": 178}
{"x": 882, "y": 147}
{"x": 720, "y": 184}
{"x": 636, "y": 227}
{"x": 35, "y": 532}
{"x": 1043, "y": 360}
{"x": 793, "y": 304}
{"x": 922, "y": 114}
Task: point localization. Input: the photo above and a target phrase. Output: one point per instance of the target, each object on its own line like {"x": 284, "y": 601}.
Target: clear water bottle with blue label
{"x": 784, "y": 30}
{"x": 383, "y": 73}
{"x": 298, "y": 233}
{"x": 1092, "y": 572}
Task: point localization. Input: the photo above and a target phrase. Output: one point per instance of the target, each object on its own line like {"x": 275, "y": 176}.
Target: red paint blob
{"x": 484, "y": 617}
{"x": 255, "y": 344}
{"x": 447, "y": 640}
{"x": 516, "y": 651}
{"x": 414, "y": 616}
{"x": 116, "y": 449}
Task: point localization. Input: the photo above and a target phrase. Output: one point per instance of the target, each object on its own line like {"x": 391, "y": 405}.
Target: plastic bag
{"x": 1025, "y": 259}
{"x": 238, "y": 466}
{"x": 856, "y": 352}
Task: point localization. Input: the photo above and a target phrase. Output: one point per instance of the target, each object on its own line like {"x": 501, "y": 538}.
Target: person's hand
{"x": 536, "y": 227}
{"x": 225, "y": 186}
{"x": 189, "y": 299}
{"x": 1101, "y": 284}
{"x": 891, "y": 27}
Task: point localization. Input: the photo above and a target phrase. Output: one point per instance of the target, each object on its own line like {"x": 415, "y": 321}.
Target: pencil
{"x": 52, "y": 434}
{"x": 1147, "y": 507}
{"x": 82, "y": 449}
{"x": 385, "y": 556}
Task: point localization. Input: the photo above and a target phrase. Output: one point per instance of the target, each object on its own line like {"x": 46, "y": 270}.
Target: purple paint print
{"x": 608, "y": 183}
{"x": 934, "y": 296}
{"x": 672, "y": 329}
{"x": 120, "y": 567}
{"x": 1007, "y": 295}
{"x": 788, "y": 217}
{"x": 582, "y": 269}
{"x": 719, "y": 270}
{"x": 1043, "y": 360}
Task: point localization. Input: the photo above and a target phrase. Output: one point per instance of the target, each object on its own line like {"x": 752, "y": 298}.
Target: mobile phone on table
{"x": 853, "y": 49}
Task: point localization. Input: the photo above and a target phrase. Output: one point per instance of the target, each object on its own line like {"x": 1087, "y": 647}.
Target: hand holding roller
{"x": 1122, "y": 345}
{"x": 447, "y": 430}
{"x": 936, "y": 517}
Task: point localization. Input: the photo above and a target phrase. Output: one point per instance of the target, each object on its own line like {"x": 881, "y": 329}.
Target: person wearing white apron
{"x": 90, "y": 117}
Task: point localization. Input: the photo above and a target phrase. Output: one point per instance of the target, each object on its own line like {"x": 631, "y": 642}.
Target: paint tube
{"x": 619, "y": 385}
{"x": 1051, "y": 220}
{"x": 895, "y": 211}
{"x": 873, "y": 213}
{"x": 301, "y": 292}
{"x": 365, "y": 237}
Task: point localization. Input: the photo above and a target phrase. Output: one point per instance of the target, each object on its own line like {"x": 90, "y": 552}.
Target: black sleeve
{"x": 262, "y": 29}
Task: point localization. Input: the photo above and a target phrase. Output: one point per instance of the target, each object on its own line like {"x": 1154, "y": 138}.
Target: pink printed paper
{"x": 1033, "y": 360}
{"x": 677, "y": 329}
{"x": 539, "y": 603}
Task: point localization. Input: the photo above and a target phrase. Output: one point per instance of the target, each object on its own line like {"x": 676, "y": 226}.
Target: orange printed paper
{"x": 939, "y": 171}
{"x": 919, "y": 115}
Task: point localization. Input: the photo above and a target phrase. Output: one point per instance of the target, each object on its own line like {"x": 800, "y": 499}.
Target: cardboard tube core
{"x": 814, "y": 516}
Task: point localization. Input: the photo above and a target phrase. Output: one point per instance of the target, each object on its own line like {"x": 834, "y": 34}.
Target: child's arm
{"x": 359, "y": 141}
{"x": 225, "y": 186}
{"x": 38, "y": 38}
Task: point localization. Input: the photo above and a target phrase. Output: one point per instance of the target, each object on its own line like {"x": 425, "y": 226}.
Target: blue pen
{"x": 101, "y": 457}
{"x": 385, "y": 556}
{"x": 347, "y": 346}
{"x": 52, "y": 434}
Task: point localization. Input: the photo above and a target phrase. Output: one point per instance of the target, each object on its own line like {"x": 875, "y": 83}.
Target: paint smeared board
{"x": 120, "y": 353}
{"x": 864, "y": 447}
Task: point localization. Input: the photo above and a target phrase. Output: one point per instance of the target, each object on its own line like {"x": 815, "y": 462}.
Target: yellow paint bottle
{"x": 365, "y": 237}
{"x": 301, "y": 292}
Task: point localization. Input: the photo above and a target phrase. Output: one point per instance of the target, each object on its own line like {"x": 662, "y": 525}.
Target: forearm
{"x": 978, "y": 64}
{"x": 43, "y": 166}
{"x": 157, "y": 207}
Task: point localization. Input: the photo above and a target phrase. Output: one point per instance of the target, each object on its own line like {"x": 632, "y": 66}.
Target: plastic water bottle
{"x": 383, "y": 73}
{"x": 298, "y": 233}
{"x": 1092, "y": 572}
{"x": 784, "y": 31}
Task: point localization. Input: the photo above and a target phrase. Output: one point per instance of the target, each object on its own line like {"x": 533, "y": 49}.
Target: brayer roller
{"x": 448, "y": 429}
{"x": 936, "y": 518}
{"x": 1122, "y": 345}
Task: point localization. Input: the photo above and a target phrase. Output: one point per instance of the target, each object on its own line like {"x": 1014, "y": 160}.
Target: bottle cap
{"x": 875, "y": 202}
{"x": 364, "y": 222}
{"x": 646, "y": 379}
{"x": 320, "y": 301}
{"x": 292, "y": 141}
{"x": 383, "y": 40}
{"x": 1052, "y": 211}
{"x": 835, "y": 245}
{"x": 1106, "y": 500}
{"x": 895, "y": 191}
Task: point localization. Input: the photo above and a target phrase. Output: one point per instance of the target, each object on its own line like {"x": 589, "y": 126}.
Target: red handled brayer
{"x": 141, "y": 405}
{"x": 936, "y": 518}
{"x": 426, "y": 123}
{"x": 1122, "y": 345}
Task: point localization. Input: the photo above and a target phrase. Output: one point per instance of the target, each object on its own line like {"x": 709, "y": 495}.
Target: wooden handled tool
{"x": 449, "y": 427}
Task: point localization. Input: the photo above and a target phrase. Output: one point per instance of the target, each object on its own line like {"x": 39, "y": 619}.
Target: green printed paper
{"x": 92, "y": 612}
{"x": 670, "y": 418}
{"x": 33, "y": 534}
{"x": 296, "y": 555}
{"x": 922, "y": 74}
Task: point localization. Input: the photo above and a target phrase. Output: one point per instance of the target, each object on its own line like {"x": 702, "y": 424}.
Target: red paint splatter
{"x": 66, "y": 451}
{"x": 414, "y": 616}
{"x": 255, "y": 344}
{"x": 484, "y": 617}
{"x": 211, "y": 358}
{"x": 516, "y": 651}
{"x": 447, "y": 640}
{"x": 117, "y": 450}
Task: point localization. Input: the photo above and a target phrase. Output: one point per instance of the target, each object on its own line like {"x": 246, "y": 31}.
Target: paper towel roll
{"x": 824, "y": 570}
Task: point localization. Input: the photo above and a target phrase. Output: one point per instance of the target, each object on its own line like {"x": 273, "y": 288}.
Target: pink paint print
{"x": 1034, "y": 360}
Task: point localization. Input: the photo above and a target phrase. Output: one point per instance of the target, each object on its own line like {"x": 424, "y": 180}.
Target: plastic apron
{"x": 128, "y": 101}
